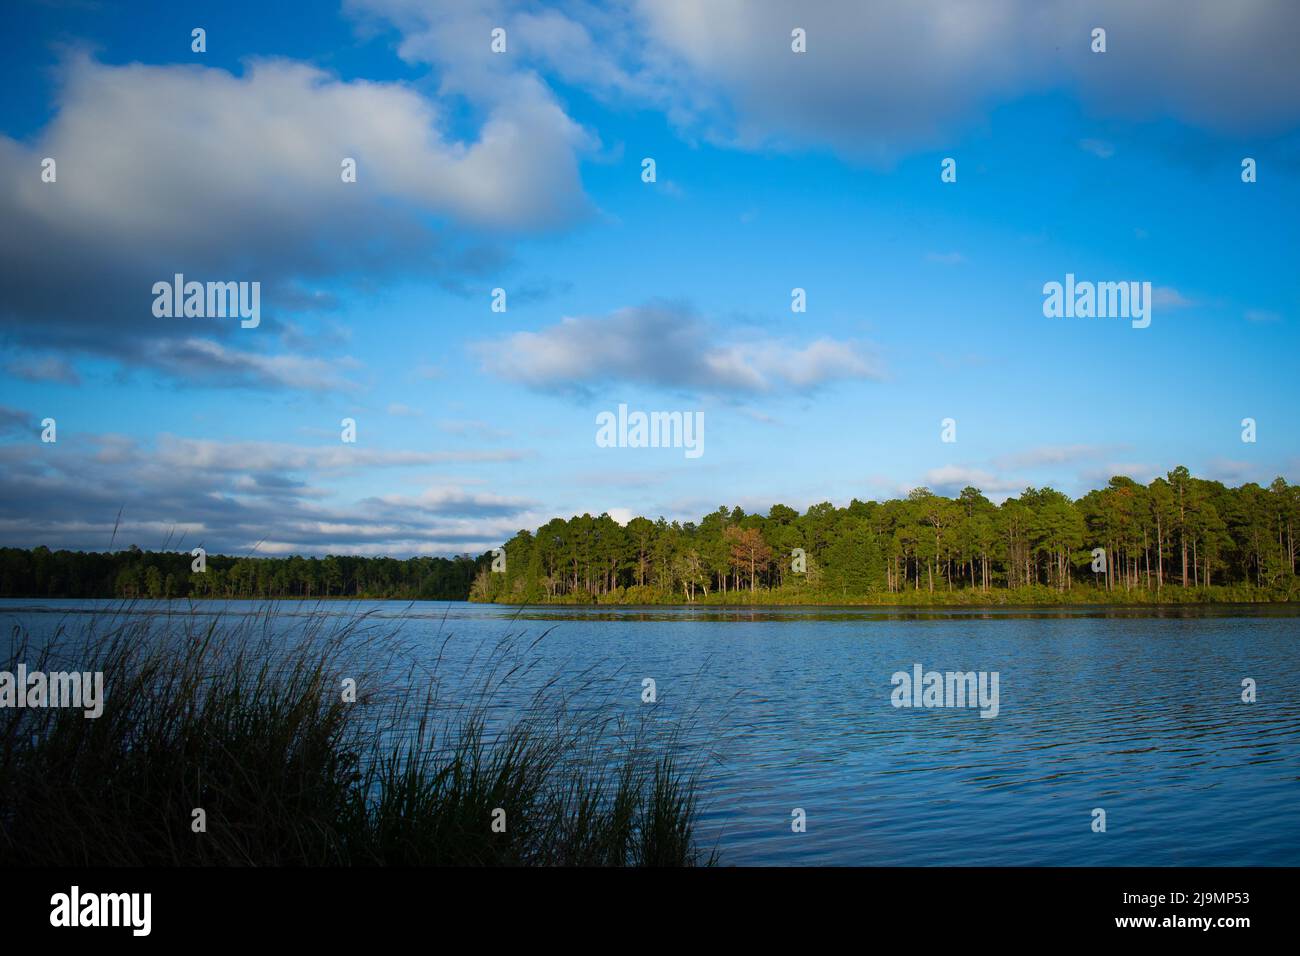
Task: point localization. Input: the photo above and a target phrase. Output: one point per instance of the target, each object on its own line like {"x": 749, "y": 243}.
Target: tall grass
{"x": 250, "y": 724}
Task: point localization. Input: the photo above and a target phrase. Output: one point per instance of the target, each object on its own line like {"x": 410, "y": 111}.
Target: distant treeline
{"x": 1178, "y": 538}
{"x": 133, "y": 573}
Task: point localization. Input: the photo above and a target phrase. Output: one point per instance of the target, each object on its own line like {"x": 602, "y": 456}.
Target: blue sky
{"x": 522, "y": 171}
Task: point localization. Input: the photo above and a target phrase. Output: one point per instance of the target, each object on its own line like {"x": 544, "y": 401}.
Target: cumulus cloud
{"x": 621, "y": 516}
{"x": 223, "y": 177}
{"x": 668, "y": 345}
{"x": 586, "y": 46}
{"x": 881, "y": 78}
{"x": 238, "y": 497}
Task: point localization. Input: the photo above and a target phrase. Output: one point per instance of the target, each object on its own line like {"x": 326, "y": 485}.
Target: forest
{"x": 1178, "y": 538}
{"x": 132, "y": 573}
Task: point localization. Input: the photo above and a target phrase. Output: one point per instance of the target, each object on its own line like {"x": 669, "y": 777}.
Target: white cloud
{"x": 621, "y": 516}
{"x": 666, "y": 344}
{"x": 880, "y": 78}
{"x": 194, "y": 170}
{"x": 239, "y": 497}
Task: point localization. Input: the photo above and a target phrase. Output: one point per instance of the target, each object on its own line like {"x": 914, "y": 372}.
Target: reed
{"x": 246, "y": 719}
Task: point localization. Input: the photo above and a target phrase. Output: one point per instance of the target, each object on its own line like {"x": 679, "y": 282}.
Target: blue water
{"x": 1136, "y": 714}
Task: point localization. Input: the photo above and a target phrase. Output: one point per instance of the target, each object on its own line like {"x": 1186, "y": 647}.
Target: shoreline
{"x": 1081, "y": 605}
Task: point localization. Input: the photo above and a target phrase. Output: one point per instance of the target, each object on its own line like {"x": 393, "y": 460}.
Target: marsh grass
{"x": 245, "y": 718}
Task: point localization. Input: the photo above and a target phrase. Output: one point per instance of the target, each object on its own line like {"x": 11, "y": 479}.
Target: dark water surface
{"x": 1137, "y": 712}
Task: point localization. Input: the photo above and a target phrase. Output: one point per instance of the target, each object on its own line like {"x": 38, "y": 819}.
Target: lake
{"x": 1135, "y": 712}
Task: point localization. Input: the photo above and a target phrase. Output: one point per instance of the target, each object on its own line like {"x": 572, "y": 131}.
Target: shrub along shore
{"x": 221, "y": 743}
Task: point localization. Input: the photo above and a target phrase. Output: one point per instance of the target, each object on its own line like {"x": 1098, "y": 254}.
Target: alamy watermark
{"x": 208, "y": 300}
{"x": 950, "y": 689}
{"x": 651, "y": 430}
{"x": 75, "y": 908}
{"x": 80, "y": 689}
{"x": 1100, "y": 300}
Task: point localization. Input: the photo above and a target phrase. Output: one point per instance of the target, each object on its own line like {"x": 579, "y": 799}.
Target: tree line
{"x": 132, "y": 573}
{"x": 1177, "y": 538}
